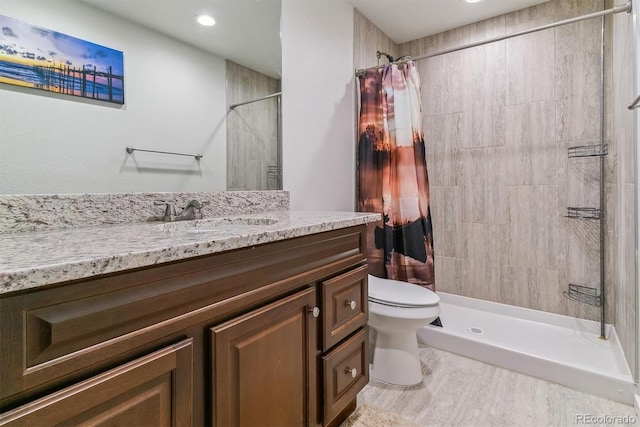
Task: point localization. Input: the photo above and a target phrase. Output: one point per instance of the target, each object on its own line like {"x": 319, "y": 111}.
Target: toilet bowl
{"x": 396, "y": 311}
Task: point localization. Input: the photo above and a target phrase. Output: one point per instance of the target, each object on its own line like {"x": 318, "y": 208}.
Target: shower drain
{"x": 475, "y": 330}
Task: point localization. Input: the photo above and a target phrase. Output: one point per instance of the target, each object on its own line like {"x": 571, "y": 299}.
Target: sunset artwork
{"x": 392, "y": 175}
{"x": 38, "y": 58}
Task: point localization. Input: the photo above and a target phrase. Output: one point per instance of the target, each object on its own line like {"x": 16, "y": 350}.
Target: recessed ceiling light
{"x": 205, "y": 20}
{"x": 472, "y": 1}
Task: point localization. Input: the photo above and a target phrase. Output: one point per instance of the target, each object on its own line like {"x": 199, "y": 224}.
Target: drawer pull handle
{"x": 353, "y": 372}
{"x": 315, "y": 311}
{"x": 352, "y": 304}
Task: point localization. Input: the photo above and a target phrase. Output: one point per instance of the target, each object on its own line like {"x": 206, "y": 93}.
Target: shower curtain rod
{"x": 618, "y": 9}
{"x": 232, "y": 106}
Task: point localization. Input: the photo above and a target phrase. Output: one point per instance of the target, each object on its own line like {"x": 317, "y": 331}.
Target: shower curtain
{"x": 392, "y": 175}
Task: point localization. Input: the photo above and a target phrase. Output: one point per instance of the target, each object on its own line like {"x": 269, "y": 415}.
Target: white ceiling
{"x": 248, "y": 31}
{"x": 406, "y": 20}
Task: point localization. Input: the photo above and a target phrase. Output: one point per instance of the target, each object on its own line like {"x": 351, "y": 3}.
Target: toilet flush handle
{"x": 352, "y": 304}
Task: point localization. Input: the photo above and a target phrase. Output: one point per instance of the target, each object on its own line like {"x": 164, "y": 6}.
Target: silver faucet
{"x": 193, "y": 210}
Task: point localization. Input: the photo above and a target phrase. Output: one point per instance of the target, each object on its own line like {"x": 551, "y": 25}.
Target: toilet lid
{"x": 400, "y": 294}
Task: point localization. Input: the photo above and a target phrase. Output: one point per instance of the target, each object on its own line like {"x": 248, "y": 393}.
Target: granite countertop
{"x": 32, "y": 259}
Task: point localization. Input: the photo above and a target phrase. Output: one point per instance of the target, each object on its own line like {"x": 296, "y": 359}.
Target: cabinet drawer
{"x": 345, "y": 373}
{"x": 154, "y": 390}
{"x": 345, "y": 305}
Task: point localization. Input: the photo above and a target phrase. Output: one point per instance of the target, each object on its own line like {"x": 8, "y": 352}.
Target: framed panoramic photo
{"x": 47, "y": 60}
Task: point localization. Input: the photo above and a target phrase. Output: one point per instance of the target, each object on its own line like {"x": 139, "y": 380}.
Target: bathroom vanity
{"x": 245, "y": 324}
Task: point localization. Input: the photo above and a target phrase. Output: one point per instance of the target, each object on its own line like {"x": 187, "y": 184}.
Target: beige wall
{"x": 317, "y": 104}
{"x": 252, "y": 130}
{"x": 499, "y": 119}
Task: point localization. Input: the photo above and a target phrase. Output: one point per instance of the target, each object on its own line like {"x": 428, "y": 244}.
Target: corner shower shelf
{"x": 583, "y": 213}
{"x": 584, "y": 294}
{"x": 589, "y": 150}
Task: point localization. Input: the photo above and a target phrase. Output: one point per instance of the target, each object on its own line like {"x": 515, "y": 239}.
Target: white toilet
{"x": 396, "y": 311}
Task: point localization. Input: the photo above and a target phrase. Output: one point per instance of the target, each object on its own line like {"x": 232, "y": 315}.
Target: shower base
{"x": 556, "y": 348}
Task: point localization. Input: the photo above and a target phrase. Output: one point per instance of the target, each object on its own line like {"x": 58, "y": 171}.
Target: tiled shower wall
{"x": 368, "y": 39}
{"x": 621, "y": 188}
{"x": 498, "y": 121}
{"x": 252, "y": 134}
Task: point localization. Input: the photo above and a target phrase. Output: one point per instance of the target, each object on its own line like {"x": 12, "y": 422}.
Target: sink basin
{"x": 209, "y": 225}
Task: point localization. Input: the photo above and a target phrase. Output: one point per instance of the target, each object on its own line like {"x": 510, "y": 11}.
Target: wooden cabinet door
{"x": 264, "y": 366}
{"x": 154, "y": 390}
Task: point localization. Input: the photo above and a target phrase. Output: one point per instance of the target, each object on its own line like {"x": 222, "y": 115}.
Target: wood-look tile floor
{"x": 458, "y": 391}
